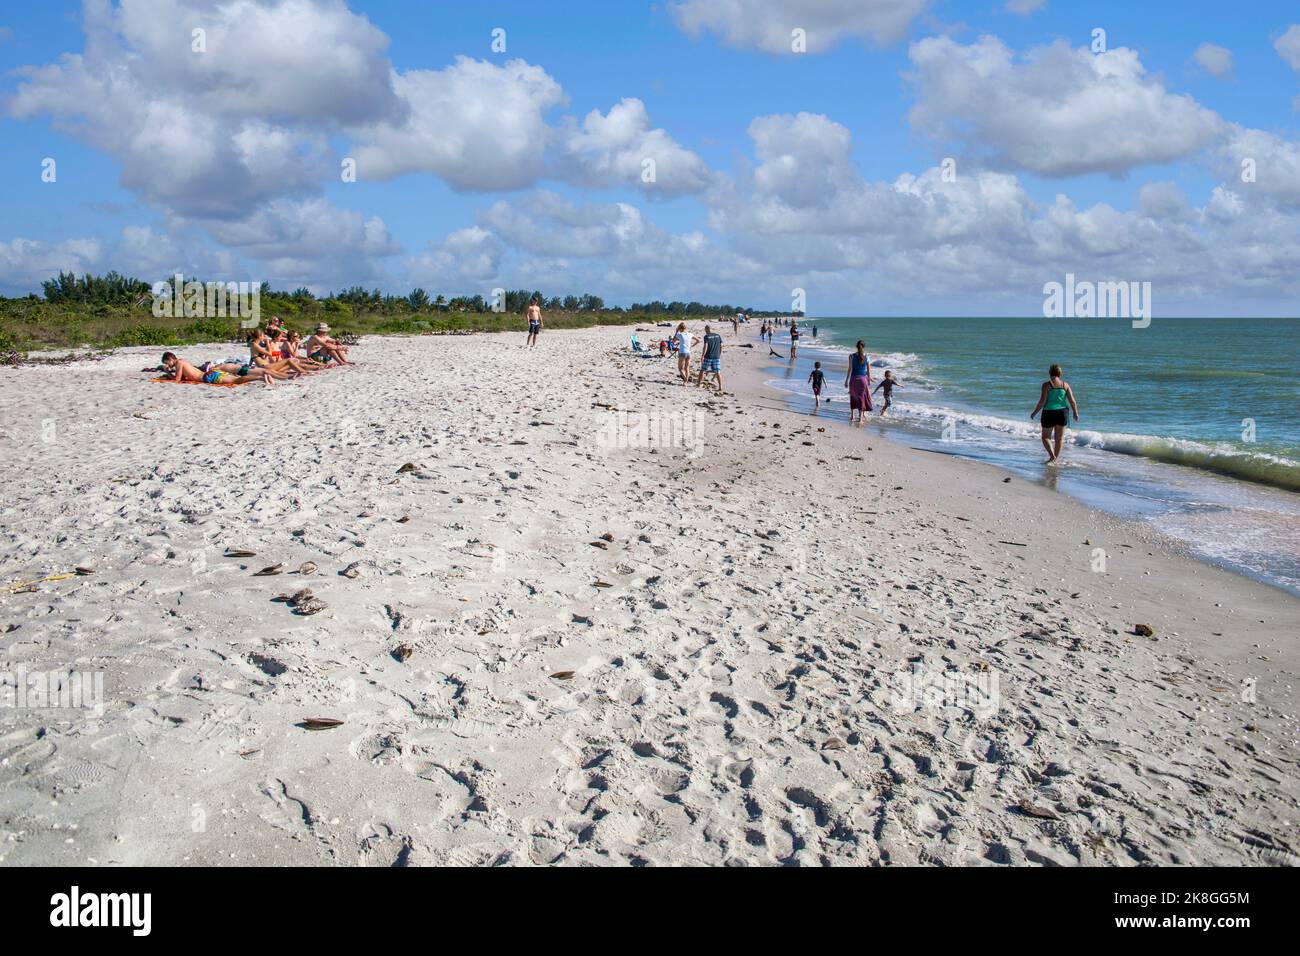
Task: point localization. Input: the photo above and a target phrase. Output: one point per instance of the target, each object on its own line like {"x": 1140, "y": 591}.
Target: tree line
{"x": 113, "y": 289}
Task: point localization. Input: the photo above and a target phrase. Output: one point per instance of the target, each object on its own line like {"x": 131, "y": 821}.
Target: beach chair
{"x": 636, "y": 346}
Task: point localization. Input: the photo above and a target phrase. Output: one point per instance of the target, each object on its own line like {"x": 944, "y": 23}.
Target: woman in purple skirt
{"x": 858, "y": 382}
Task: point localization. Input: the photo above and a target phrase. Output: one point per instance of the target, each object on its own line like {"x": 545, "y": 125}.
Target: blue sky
{"x": 816, "y": 205}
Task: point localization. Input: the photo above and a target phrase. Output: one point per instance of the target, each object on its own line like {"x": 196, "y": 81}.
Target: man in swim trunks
{"x": 794, "y": 339}
{"x": 534, "y": 317}
{"x": 179, "y": 370}
{"x": 321, "y": 348}
{"x": 240, "y": 368}
{"x": 712, "y": 361}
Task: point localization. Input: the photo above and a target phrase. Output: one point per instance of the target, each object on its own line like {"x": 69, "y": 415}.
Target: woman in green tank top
{"x": 1054, "y": 399}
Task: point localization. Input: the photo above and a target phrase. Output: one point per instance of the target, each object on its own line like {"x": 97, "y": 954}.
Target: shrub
{"x": 209, "y": 330}
{"x": 8, "y": 341}
{"x": 143, "y": 335}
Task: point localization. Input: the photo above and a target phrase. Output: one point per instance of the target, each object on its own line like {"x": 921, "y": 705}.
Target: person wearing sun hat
{"x": 321, "y": 348}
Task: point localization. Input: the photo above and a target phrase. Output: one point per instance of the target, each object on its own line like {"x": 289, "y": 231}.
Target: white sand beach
{"x": 760, "y": 638}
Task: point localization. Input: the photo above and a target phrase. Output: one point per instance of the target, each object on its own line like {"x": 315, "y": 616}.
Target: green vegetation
{"x": 112, "y": 311}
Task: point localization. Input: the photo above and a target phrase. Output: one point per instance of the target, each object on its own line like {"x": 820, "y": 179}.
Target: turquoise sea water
{"x": 1191, "y": 424}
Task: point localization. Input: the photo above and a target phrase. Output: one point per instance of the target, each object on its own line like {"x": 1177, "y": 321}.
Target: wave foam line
{"x": 1219, "y": 457}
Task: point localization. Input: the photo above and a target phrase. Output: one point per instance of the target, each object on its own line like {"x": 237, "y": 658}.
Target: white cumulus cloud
{"x": 1214, "y": 60}
{"x": 621, "y": 148}
{"x": 213, "y": 132}
{"x": 477, "y": 125}
{"x": 1288, "y": 46}
{"x": 1056, "y": 111}
{"x": 466, "y": 263}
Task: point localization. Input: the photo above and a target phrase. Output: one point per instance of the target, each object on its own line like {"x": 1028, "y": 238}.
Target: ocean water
{"x": 1192, "y": 425}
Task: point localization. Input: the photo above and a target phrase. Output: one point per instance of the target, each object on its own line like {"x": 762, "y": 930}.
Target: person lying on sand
{"x": 239, "y": 369}
{"x": 322, "y": 348}
{"x": 179, "y": 370}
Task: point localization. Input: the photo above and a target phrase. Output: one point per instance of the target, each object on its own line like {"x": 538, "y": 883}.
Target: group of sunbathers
{"x": 275, "y": 354}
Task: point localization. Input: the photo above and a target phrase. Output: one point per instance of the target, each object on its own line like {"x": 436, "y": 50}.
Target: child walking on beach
{"x": 818, "y": 378}
{"x": 888, "y": 383}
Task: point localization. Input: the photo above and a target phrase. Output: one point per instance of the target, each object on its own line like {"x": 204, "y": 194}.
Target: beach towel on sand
{"x": 213, "y": 384}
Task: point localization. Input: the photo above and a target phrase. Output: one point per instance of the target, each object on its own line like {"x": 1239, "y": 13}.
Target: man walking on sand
{"x": 712, "y": 361}
{"x": 534, "y": 317}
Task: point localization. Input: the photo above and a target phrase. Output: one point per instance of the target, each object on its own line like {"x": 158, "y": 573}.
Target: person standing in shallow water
{"x": 858, "y": 382}
{"x": 1054, "y": 398}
